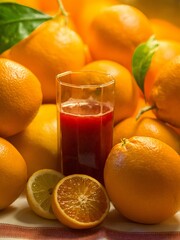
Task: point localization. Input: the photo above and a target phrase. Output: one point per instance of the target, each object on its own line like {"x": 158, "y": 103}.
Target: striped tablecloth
{"x": 19, "y": 222}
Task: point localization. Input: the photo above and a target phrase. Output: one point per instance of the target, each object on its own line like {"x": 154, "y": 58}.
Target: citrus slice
{"x": 80, "y": 201}
{"x": 39, "y": 190}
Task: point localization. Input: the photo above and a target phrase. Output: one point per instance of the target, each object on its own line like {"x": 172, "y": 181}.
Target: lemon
{"x": 39, "y": 190}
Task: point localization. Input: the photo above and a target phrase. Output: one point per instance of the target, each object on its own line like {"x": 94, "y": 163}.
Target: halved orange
{"x": 80, "y": 201}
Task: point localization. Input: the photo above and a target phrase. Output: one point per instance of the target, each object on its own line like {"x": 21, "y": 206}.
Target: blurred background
{"x": 165, "y": 9}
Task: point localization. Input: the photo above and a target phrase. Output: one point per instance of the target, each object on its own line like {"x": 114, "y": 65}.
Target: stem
{"x": 123, "y": 142}
{"x": 143, "y": 110}
{"x": 62, "y": 9}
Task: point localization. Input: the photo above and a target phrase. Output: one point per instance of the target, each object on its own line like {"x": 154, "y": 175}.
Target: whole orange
{"x": 51, "y": 49}
{"x": 142, "y": 179}
{"x": 116, "y": 31}
{"x": 165, "y": 95}
{"x": 165, "y": 30}
{"x": 13, "y": 172}
{"x": 20, "y": 97}
{"x": 126, "y": 92}
{"x": 87, "y": 10}
{"x": 148, "y": 127}
{"x": 166, "y": 51}
{"x": 38, "y": 142}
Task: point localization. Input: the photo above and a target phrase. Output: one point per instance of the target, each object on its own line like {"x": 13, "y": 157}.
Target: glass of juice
{"x": 85, "y": 104}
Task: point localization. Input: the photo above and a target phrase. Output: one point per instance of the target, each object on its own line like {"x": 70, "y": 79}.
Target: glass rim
{"x": 101, "y": 85}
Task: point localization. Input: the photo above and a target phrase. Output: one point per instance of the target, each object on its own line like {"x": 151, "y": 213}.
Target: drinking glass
{"x": 85, "y": 104}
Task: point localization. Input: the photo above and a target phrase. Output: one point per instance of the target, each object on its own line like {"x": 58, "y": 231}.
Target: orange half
{"x": 80, "y": 201}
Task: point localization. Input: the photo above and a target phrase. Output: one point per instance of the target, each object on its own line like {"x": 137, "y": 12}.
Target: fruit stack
{"x": 142, "y": 172}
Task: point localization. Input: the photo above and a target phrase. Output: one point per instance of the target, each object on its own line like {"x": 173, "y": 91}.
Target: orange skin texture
{"x": 13, "y": 172}
{"x": 30, "y": 3}
{"x": 148, "y": 127}
{"x": 87, "y": 11}
{"x": 142, "y": 179}
{"x": 164, "y": 29}
{"x": 115, "y": 33}
{"x": 20, "y": 97}
{"x": 165, "y": 93}
{"x": 167, "y": 50}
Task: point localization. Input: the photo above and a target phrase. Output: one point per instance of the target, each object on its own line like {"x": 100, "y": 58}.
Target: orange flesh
{"x": 84, "y": 200}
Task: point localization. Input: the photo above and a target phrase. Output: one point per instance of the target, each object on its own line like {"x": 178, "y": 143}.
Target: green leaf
{"x": 17, "y": 22}
{"x": 142, "y": 59}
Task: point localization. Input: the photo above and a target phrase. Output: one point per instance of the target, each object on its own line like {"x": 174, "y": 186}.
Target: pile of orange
{"x": 101, "y": 36}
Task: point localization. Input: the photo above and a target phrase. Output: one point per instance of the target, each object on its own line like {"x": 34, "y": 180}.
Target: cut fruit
{"x": 39, "y": 191}
{"x": 80, "y": 201}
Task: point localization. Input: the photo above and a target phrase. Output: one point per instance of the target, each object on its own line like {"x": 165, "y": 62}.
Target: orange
{"x": 141, "y": 103}
{"x": 164, "y": 29}
{"x": 39, "y": 191}
{"x": 87, "y": 10}
{"x": 148, "y": 127}
{"x": 38, "y": 142}
{"x": 82, "y": 17}
{"x": 50, "y": 7}
{"x": 29, "y": 3}
{"x": 165, "y": 95}
{"x": 20, "y": 97}
{"x": 80, "y": 201}
{"x": 126, "y": 92}
{"x": 176, "y": 129}
{"x": 161, "y": 9}
{"x": 13, "y": 172}
{"x": 142, "y": 179}
{"x": 116, "y": 31}
{"x": 51, "y": 49}
{"x": 166, "y": 51}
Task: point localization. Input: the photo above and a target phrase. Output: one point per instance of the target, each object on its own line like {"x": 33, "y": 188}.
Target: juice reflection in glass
{"x": 85, "y": 116}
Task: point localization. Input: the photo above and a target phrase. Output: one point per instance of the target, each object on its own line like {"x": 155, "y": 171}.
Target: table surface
{"x": 18, "y": 221}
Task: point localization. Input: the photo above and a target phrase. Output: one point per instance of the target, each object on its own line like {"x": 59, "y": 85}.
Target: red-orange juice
{"x": 86, "y": 137}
